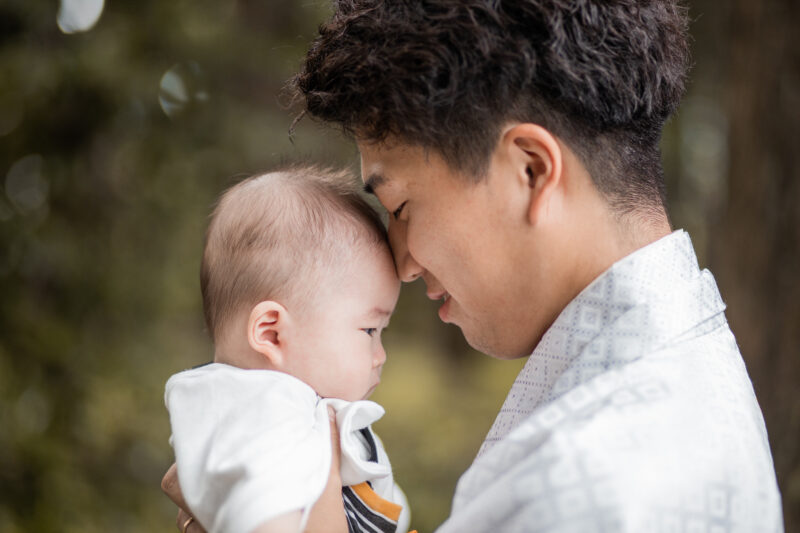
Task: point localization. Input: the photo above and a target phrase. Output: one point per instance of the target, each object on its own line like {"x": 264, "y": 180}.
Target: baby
{"x": 298, "y": 283}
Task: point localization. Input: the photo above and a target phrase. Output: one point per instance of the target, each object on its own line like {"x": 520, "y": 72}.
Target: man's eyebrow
{"x": 373, "y": 182}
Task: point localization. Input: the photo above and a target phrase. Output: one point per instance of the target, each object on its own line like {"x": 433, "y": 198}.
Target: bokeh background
{"x": 117, "y": 133}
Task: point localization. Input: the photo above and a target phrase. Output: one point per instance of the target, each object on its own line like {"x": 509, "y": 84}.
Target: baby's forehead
{"x": 360, "y": 261}
{"x": 270, "y": 229}
{"x": 364, "y": 273}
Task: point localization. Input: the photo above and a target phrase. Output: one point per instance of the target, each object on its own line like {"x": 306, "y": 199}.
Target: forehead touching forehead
{"x": 282, "y": 236}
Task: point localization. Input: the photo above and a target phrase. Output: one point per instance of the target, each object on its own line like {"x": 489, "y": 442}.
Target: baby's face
{"x": 338, "y": 349}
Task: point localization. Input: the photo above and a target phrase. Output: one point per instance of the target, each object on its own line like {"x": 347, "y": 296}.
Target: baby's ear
{"x": 265, "y": 330}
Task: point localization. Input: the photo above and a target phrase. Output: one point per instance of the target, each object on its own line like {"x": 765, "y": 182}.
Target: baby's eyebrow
{"x": 379, "y": 312}
{"x": 373, "y": 182}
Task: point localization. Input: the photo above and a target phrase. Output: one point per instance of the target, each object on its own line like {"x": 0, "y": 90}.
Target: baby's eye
{"x": 370, "y": 331}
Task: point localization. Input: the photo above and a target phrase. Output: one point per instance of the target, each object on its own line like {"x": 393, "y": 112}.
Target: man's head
{"x": 448, "y": 75}
{"x": 297, "y": 277}
{"x": 538, "y": 121}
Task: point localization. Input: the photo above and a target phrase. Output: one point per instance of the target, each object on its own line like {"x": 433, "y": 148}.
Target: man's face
{"x": 461, "y": 237}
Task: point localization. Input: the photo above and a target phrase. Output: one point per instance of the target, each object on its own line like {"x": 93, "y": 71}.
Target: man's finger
{"x": 193, "y": 526}
{"x": 171, "y": 487}
{"x": 335, "y": 444}
{"x": 327, "y": 514}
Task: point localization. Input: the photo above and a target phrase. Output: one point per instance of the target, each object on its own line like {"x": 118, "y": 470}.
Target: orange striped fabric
{"x": 367, "y": 511}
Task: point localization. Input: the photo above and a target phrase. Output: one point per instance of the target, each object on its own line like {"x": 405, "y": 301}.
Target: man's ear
{"x": 266, "y": 331}
{"x": 537, "y": 159}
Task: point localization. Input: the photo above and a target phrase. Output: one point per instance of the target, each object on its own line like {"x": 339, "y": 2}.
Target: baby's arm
{"x": 327, "y": 514}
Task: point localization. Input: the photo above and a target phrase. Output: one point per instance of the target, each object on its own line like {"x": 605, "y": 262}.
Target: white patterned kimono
{"x": 634, "y": 413}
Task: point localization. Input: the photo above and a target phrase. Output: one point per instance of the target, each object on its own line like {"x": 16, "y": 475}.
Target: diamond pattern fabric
{"x": 634, "y": 413}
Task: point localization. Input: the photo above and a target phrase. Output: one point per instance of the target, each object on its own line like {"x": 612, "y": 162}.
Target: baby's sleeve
{"x": 250, "y": 445}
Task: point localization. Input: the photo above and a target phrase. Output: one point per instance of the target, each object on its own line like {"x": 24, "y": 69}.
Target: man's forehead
{"x": 391, "y": 164}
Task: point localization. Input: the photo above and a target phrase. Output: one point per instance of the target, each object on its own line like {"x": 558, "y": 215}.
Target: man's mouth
{"x": 445, "y": 308}
{"x": 445, "y": 297}
{"x": 438, "y": 295}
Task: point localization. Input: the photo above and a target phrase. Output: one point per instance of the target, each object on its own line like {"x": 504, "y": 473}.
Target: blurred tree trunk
{"x": 755, "y": 252}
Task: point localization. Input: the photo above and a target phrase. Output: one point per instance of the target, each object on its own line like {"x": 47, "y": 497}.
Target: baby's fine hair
{"x": 274, "y": 236}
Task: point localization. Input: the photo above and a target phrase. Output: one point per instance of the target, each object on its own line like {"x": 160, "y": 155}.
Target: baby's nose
{"x": 380, "y": 357}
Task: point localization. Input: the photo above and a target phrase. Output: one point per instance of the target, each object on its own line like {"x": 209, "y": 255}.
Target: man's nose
{"x": 407, "y": 267}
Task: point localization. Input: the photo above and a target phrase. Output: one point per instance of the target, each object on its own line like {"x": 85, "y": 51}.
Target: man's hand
{"x": 170, "y": 486}
{"x": 327, "y": 515}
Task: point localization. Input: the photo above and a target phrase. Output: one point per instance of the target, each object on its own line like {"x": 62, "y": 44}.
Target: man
{"x": 515, "y": 145}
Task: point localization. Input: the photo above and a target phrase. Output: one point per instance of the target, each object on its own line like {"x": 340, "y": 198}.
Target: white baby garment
{"x": 251, "y": 445}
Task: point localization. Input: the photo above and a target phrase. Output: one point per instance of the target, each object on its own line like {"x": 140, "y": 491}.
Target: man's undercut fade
{"x": 602, "y": 75}
{"x": 282, "y": 236}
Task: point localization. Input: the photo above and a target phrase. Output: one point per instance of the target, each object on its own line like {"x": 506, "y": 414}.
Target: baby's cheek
{"x": 353, "y": 383}
{"x": 329, "y": 383}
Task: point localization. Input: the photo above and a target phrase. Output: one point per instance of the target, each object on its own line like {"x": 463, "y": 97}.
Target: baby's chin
{"x": 351, "y": 397}
{"x": 365, "y": 396}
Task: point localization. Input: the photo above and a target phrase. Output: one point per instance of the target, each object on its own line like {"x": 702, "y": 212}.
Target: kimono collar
{"x": 648, "y": 300}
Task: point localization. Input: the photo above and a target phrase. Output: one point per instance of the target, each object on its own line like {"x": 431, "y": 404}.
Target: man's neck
{"x": 637, "y": 230}
{"x": 618, "y": 238}
{"x": 604, "y": 240}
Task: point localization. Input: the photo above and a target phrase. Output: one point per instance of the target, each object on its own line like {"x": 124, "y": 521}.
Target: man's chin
{"x": 492, "y": 346}
{"x": 504, "y": 355}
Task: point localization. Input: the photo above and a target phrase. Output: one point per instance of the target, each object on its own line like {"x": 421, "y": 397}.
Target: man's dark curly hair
{"x": 602, "y": 75}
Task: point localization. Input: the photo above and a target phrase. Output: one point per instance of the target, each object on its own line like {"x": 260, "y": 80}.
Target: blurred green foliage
{"x": 100, "y": 239}
{"x": 114, "y": 144}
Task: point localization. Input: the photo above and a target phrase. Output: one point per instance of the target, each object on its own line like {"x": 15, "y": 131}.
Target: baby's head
{"x": 297, "y": 277}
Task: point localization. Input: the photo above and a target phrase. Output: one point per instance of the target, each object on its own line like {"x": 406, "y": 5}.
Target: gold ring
{"x": 186, "y": 524}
